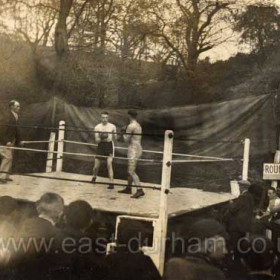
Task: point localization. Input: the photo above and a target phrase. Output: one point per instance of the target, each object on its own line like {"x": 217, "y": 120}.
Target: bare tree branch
{"x": 77, "y": 17}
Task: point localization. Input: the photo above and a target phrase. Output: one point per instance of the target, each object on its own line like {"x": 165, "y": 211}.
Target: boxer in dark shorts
{"x": 105, "y": 149}
{"x": 104, "y": 136}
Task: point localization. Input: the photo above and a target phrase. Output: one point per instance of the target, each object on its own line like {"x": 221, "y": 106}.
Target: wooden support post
{"x": 49, "y": 164}
{"x": 60, "y": 146}
{"x": 165, "y": 186}
{"x": 274, "y": 184}
{"x": 246, "y": 155}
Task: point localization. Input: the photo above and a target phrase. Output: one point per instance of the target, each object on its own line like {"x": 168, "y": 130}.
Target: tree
{"x": 190, "y": 27}
{"x": 259, "y": 27}
{"x": 61, "y": 35}
{"x": 129, "y": 29}
{"x": 33, "y": 21}
{"x": 91, "y": 24}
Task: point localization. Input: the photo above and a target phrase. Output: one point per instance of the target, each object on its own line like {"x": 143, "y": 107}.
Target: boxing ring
{"x": 159, "y": 203}
{"x": 78, "y": 186}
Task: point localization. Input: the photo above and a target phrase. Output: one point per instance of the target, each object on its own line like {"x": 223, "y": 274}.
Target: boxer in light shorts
{"x": 133, "y": 137}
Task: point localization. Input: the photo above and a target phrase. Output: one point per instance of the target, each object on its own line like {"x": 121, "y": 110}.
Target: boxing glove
{"x": 104, "y": 136}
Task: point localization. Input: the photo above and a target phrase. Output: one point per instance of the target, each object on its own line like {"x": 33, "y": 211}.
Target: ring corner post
{"x": 246, "y": 156}
{"x": 165, "y": 186}
{"x": 49, "y": 165}
{"x": 274, "y": 183}
{"x": 60, "y": 146}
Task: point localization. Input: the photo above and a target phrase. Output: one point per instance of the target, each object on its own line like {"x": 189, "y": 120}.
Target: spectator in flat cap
{"x": 207, "y": 238}
{"x": 258, "y": 256}
{"x": 206, "y": 248}
{"x": 244, "y": 185}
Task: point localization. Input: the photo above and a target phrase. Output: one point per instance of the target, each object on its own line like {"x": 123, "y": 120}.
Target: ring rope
{"x": 204, "y": 160}
{"x": 203, "y": 157}
{"x": 143, "y": 161}
{"x": 100, "y": 156}
{"x": 208, "y": 158}
{"x": 211, "y": 159}
{"x": 76, "y": 154}
{"x": 80, "y": 143}
{"x": 82, "y": 181}
{"x": 210, "y": 142}
{"x": 154, "y": 152}
{"x": 116, "y": 147}
{"x": 43, "y": 141}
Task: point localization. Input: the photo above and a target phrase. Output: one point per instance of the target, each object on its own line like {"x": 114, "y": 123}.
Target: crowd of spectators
{"x": 54, "y": 241}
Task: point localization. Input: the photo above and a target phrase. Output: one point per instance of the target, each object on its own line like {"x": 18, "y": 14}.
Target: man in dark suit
{"x": 9, "y": 137}
{"x": 240, "y": 213}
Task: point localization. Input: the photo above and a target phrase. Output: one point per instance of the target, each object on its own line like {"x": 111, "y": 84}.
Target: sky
{"x": 226, "y": 50}
{"x": 232, "y": 47}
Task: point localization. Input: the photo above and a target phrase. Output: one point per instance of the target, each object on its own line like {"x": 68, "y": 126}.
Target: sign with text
{"x": 271, "y": 171}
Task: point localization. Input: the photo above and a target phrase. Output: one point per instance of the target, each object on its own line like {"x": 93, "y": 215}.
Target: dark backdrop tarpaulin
{"x": 206, "y": 129}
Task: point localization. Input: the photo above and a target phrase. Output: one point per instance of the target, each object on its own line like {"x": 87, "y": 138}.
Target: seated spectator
{"x": 267, "y": 221}
{"x": 273, "y": 208}
{"x": 26, "y": 211}
{"x": 206, "y": 249}
{"x": 83, "y": 260}
{"x": 258, "y": 256}
{"x": 182, "y": 269}
{"x": 42, "y": 239}
{"x": 50, "y": 208}
{"x": 8, "y": 207}
{"x": 78, "y": 218}
{"x": 128, "y": 261}
{"x": 102, "y": 231}
{"x": 274, "y": 200}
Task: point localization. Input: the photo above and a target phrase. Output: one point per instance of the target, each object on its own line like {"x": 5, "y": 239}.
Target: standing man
{"x": 104, "y": 136}
{"x": 9, "y": 137}
{"x": 133, "y": 137}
